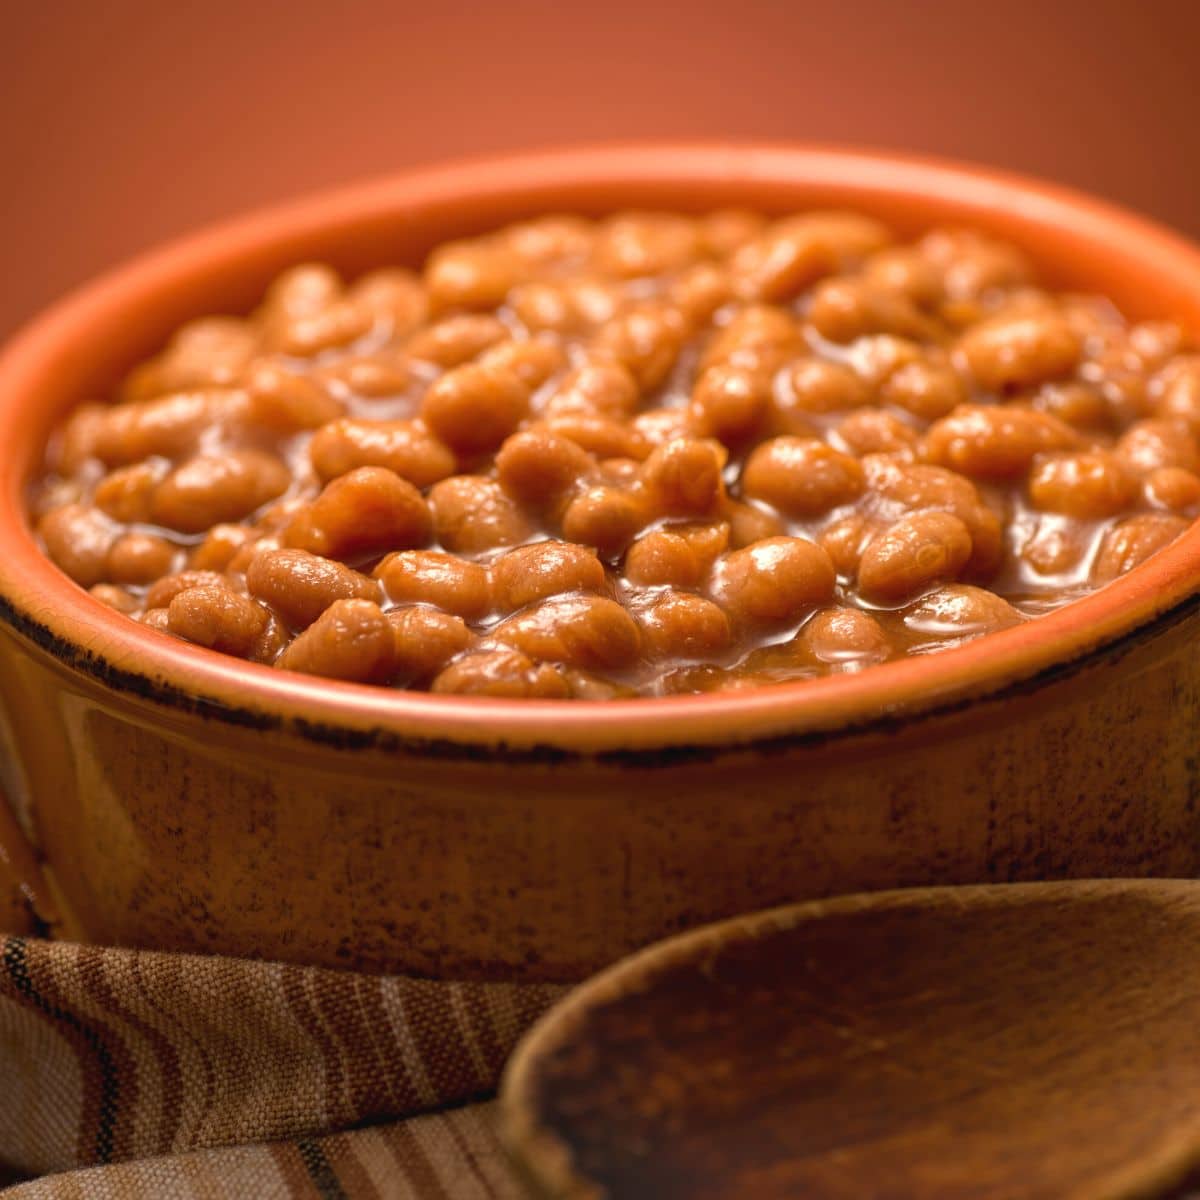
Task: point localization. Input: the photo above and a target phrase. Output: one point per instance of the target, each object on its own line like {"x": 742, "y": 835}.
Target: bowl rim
{"x": 45, "y": 607}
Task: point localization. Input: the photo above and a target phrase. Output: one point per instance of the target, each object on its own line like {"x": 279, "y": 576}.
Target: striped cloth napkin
{"x": 130, "y": 1074}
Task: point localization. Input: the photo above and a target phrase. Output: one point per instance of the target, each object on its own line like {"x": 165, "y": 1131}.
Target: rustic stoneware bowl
{"x": 165, "y": 796}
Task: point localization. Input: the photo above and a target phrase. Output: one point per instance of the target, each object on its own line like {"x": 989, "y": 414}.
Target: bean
{"x": 1132, "y": 541}
{"x": 473, "y": 408}
{"x": 760, "y": 336}
{"x": 844, "y": 541}
{"x": 658, "y": 427}
{"x": 646, "y": 340}
{"x": 794, "y": 253}
{"x": 442, "y": 580}
{"x": 77, "y": 441}
{"x": 1155, "y": 342}
{"x": 585, "y": 685}
{"x": 393, "y": 296}
{"x": 546, "y": 308}
{"x": 600, "y": 435}
{"x": 550, "y": 239}
{"x": 214, "y": 489}
{"x": 475, "y": 274}
{"x": 631, "y": 245}
{"x": 960, "y": 610}
{"x": 169, "y": 427}
{"x": 425, "y": 640}
{"x": 844, "y": 309}
{"x": 680, "y": 555}
{"x": 247, "y": 551}
{"x": 217, "y": 618}
{"x": 351, "y": 640}
{"x": 138, "y": 558}
{"x": 1090, "y": 485}
{"x": 1173, "y": 488}
{"x": 875, "y": 359}
{"x": 115, "y": 597}
{"x": 683, "y": 478}
{"x": 532, "y": 573}
{"x": 211, "y": 351}
{"x": 605, "y": 518}
{"x": 801, "y": 476}
{"x": 331, "y": 328}
{"x": 898, "y": 488}
{"x": 579, "y": 631}
{"x": 407, "y": 448}
{"x": 156, "y": 619}
{"x": 366, "y": 511}
{"x": 874, "y": 431}
{"x": 973, "y": 265}
{"x": 681, "y": 626}
{"x": 271, "y": 642}
{"x": 1176, "y": 391}
{"x": 928, "y": 390}
{"x": 472, "y": 514}
{"x": 730, "y": 403}
{"x": 532, "y": 361}
{"x": 748, "y": 523}
{"x": 700, "y": 290}
{"x": 814, "y": 385}
{"x": 1148, "y": 445}
{"x": 300, "y": 586}
{"x": 453, "y": 341}
{"x": 725, "y": 231}
{"x": 78, "y": 539}
{"x": 539, "y": 468}
{"x": 284, "y": 402}
{"x": 912, "y": 556}
{"x": 1020, "y": 350}
{"x": 904, "y": 269}
{"x": 304, "y": 289}
{"x": 1080, "y": 405}
{"x": 846, "y": 636}
{"x": 127, "y": 494}
{"x": 503, "y": 673}
{"x": 598, "y": 387}
{"x": 995, "y": 442}
{"x": 773, "y": 582}
{"x": 374, "y": 376}
{"x": 164, "y": 590}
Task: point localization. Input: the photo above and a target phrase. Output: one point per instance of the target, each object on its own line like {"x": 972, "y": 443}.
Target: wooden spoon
{"x": 1011, "y": 1042}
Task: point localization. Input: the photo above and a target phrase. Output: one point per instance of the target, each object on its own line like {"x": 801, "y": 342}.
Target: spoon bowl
{"x": 1032, "y": 1040}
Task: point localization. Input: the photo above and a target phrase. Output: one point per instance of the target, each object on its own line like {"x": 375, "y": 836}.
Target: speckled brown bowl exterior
{"x": 178, "y": 799}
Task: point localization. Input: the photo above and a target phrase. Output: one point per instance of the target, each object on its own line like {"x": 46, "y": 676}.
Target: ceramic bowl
{"x": 165, "y": 796}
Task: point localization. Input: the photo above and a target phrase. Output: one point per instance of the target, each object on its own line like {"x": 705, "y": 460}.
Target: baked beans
{"x": 642, "y": 455}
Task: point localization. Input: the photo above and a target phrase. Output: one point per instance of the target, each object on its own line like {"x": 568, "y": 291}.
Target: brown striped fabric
{"x": 452, "y": 1155}
{"x": 168, "y": 1075}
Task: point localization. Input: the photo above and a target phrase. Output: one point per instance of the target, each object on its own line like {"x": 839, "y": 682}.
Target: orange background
{"x": 123, "y": 122}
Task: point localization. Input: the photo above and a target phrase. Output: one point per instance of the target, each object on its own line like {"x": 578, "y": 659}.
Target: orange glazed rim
{"x": 80, "y": 346}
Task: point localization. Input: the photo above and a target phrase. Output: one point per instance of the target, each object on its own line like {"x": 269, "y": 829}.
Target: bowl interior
{"x": 78, "y": 350}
